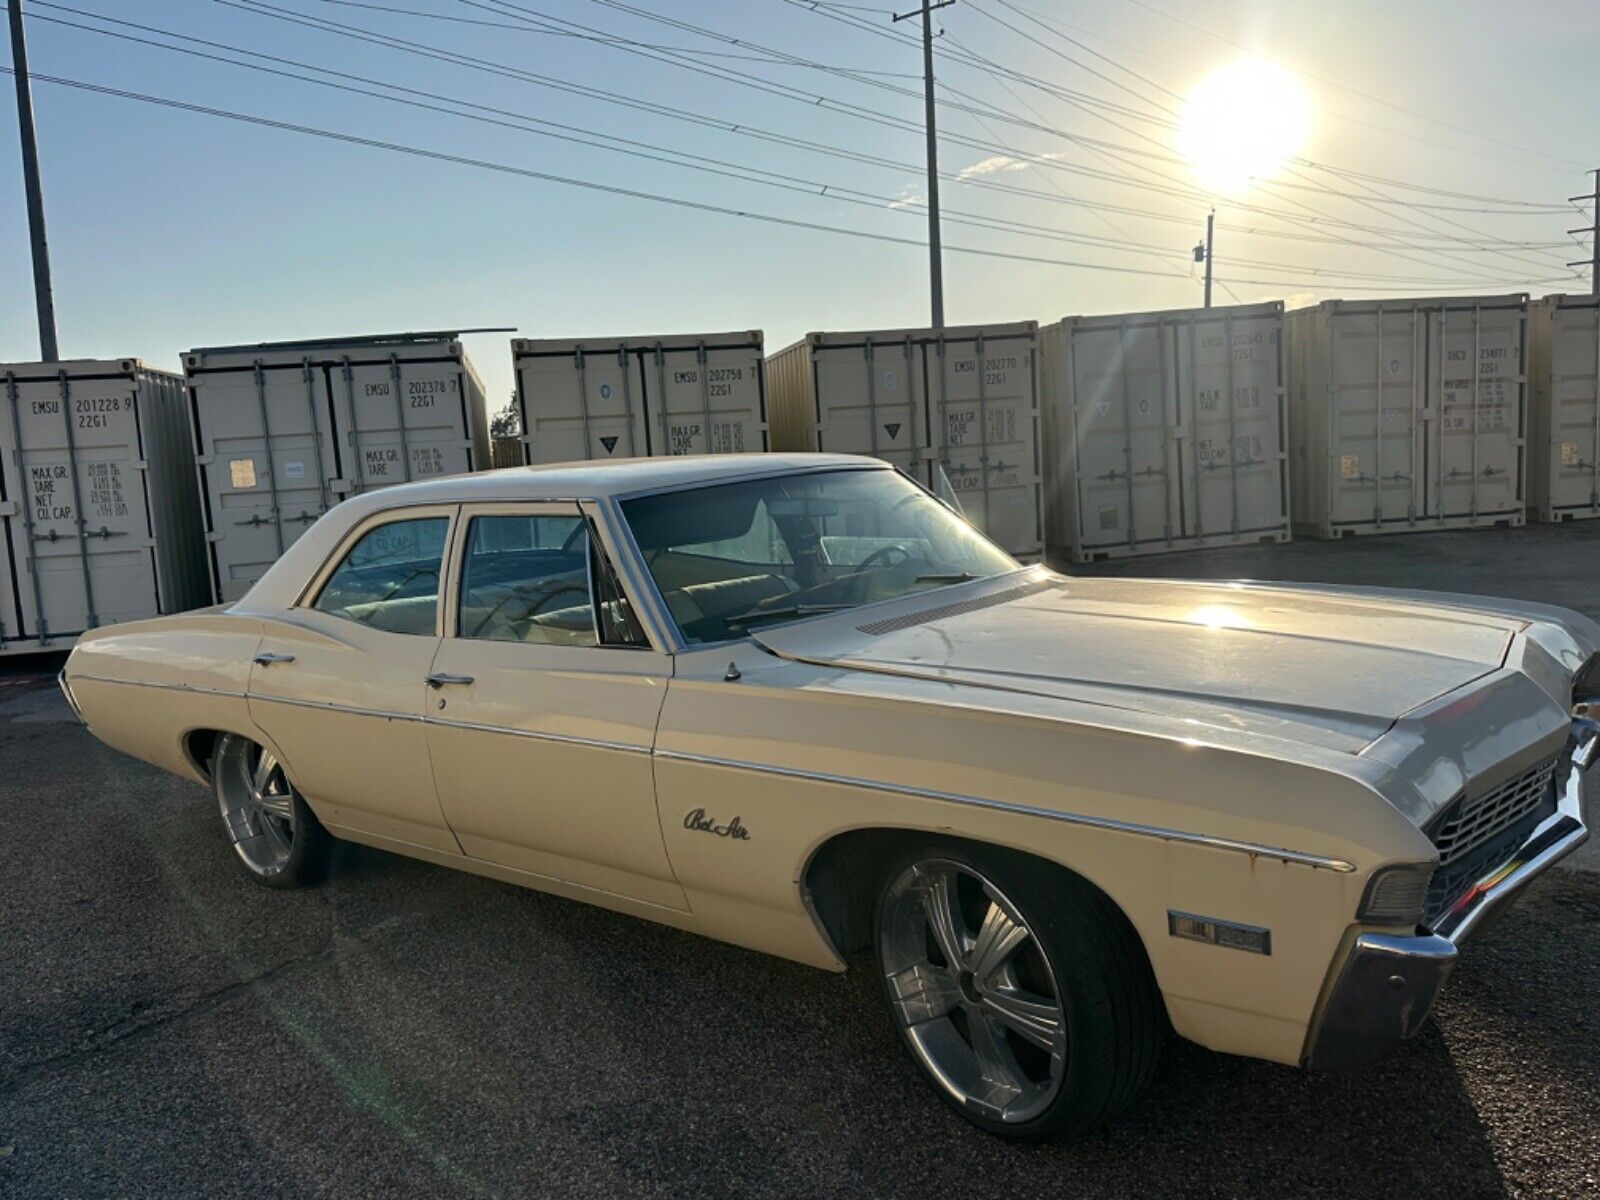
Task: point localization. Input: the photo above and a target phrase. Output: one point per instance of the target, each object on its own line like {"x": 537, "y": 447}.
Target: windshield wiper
{"x": 947, "y": 577}
{"x": 745, "y": 620}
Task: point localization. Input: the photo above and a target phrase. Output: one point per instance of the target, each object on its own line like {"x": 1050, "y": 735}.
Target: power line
{"x": 687, "y": 203}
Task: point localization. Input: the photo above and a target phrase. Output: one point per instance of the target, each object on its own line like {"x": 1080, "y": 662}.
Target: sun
{"x": 1241, "y": 122}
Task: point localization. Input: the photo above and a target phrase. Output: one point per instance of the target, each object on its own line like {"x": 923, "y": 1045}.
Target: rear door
{"x": 1574, "y": 450}
{"x": 704, "y": 399}
{"x": 872, "y": 399}
{"x": 577, "y": 404}
{"x": 1380, "y": 415}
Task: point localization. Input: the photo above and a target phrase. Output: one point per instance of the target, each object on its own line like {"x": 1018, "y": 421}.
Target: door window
{"x": 526, "y": 579}
{"x": 390, "y": 577}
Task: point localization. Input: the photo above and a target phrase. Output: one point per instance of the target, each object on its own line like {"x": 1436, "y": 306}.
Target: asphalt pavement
{"x": 167, "y": 1028}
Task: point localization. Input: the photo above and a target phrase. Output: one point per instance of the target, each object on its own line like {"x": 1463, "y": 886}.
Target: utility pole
{"x": 935, "y": 257}
{"x": 35, "y": 195}
{"x": 1594, "y": 233}
{"x": 1202, "y": 251}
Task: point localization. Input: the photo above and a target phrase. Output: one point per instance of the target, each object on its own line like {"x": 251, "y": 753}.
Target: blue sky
{"x": 171, "y": 229}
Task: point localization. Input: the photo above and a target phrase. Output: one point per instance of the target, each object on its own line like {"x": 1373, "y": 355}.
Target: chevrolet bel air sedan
{"x": 796, "y": 702}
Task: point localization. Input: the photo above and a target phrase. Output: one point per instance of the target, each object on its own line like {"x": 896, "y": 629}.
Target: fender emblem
{"x": 696, "y": 820}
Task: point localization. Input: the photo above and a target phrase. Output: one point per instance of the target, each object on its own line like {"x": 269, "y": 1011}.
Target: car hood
{"x": 1332, "y": 669}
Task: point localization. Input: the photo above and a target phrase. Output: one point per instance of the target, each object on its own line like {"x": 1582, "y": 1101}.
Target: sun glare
{"x": 1241, "y": 122}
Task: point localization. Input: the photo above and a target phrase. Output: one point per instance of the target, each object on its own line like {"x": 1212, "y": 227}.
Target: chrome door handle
{"x": 438, "y": 680}
{"x": 266, "y": 659}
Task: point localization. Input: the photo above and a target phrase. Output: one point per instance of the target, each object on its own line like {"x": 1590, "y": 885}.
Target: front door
{"x": 339, "y": 682}
{"x": 543, "y": 713}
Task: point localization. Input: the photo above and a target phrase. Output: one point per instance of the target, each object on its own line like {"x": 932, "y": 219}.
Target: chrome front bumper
{"x": 1389, "y": 983}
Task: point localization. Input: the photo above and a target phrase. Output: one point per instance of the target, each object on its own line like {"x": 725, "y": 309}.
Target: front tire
{"x": 1022, "y": 993}
{"x": 275, "y": 836}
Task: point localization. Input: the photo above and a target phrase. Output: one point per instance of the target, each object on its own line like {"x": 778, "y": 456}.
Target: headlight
{"x": 1586, "y": 688}
{"x": 1396, "y": 895}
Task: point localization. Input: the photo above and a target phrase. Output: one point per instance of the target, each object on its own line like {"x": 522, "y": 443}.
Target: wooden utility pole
{"x": 935, "y": 256}
{"x": 43, "y": 297}
{"x": 1202, "y": 252}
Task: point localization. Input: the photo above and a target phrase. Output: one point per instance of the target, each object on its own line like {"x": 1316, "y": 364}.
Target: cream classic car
{"x": 796, "y": 703}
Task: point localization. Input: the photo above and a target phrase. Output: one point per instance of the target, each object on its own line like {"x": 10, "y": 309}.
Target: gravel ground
{"x": 169, "y": 1029}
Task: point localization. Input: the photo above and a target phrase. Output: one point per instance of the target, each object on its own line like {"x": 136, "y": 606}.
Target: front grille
{"x": 1476, "y": 833}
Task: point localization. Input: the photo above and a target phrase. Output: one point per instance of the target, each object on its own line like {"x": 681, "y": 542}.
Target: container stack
{"x": 285, "y": 430}
{"x": 642, "y": 397}
{"x": 956, "y": 406}
{"x": 1564, "y": 408}
{"x": 1165, "y": 430}
{"x": 1408, "y": 414}
{"x": 97, "y": 500}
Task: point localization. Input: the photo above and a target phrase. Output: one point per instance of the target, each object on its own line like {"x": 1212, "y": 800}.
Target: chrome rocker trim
{"x": 1389, "y": 983}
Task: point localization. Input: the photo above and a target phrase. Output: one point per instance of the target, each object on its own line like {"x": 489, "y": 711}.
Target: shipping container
{"x": 640, "y": 397}
{"x": 958, "y": 405}
{"x": 97, "y": 494}
{"x": 1564, "y": 408}
{"x": 1408, "y": 414}
{"x": 1165, "y": 431}
{"x": 285, "y": 430}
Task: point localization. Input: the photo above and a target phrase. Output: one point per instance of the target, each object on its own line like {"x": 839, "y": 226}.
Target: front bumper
{"x": 1389, "y": 983}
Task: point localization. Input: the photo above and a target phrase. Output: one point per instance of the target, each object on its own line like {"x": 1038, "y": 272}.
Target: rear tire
{"x": 1022, "y": 993}
{"x": 276, "y": 837}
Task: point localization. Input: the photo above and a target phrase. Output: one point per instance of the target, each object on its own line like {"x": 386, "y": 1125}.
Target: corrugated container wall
{"x": 1393, "y": 428}
{"x": 644, "y": 397}
{"x": 97, "y": 499}
{"x": 1564, "y": 408}
{"x": 1165, "y": 430}
{"x": 285, "y": 430}
{"x": 918, "y": 398}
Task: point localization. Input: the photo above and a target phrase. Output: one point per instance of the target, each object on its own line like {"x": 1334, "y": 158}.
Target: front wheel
{"x": 1021, "y": 992}
{"x": 279, "y": 841}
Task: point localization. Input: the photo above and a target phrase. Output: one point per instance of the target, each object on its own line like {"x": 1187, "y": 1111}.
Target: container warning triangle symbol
{"x": 893, "y": 430}
{"x": 610, "y": 443}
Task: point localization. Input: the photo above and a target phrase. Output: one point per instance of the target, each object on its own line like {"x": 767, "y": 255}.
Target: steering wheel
{"x": 884, "y": 552}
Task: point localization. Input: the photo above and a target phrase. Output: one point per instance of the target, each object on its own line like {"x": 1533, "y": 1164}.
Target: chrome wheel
{"x": 257, "y": 803}
{"x": 972, "y": 991}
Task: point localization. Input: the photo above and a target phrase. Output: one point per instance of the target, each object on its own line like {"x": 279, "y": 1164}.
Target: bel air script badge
{"x": 697, "y": 820}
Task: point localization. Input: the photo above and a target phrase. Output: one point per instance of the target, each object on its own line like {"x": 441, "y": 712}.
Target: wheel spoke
{"x": 274, "y": 835}
{"x": 265, "y": 766}
{"x": 996, "y": 1063}
{"x": 1031, "y": 1017}
{"x": 924, "y": 992}
{"x": 998, "y": 939}
{"x": 939, "y": 903}
{"x": 278, "y": 804}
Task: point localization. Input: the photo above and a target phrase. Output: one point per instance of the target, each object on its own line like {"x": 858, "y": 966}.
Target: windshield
{"x": 737, "y": 556}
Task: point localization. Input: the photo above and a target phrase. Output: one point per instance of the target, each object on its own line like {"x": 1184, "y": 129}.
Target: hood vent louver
{"x": 923, "y": 616}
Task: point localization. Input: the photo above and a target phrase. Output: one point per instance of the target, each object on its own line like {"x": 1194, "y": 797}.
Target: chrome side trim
{"x": 1169, "y": 835}
{"x": 566, "y": 739}
{"x": 195, "y": 689}
{"x": 348, "y": 709}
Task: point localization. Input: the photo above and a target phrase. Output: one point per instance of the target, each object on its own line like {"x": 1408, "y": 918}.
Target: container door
{"x": 1379, "y": 415}
{"x": 581, "y": 405}
{"x": 1475, "y": 365}
{"x": 80, "y": 544}
{"x": 704, "y": 400}
{"x": 1574, "y": 451}
{"x": 401, "y": 419}
{"x": 1127, "y": 444}
{"x": 1232, "y": 406}
{"x": 985, "y": 416}
{"x": 872, "y": 399}
{"x": 267, "y": 464}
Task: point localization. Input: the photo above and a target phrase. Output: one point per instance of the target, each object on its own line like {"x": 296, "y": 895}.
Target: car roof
{"x": 596, "y": 480}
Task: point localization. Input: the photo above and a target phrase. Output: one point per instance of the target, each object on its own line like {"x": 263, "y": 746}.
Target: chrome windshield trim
{"x": 1254, "y": 849}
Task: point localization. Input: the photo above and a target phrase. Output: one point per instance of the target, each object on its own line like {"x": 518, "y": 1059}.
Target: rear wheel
{"x": 277, "y": 838}
{"x": 1021, "y": 992}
